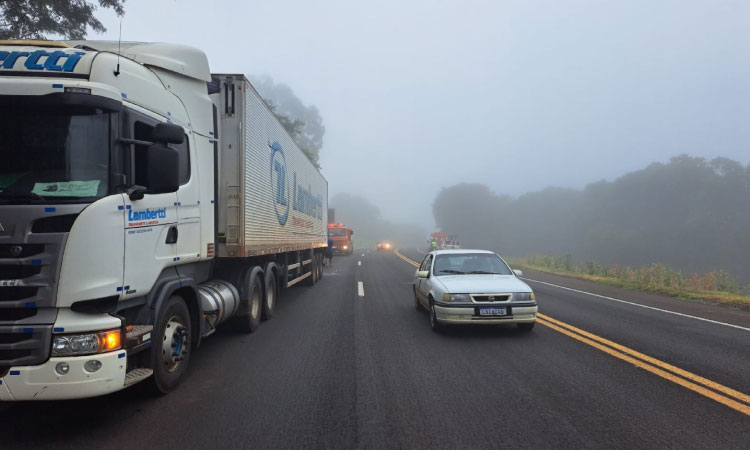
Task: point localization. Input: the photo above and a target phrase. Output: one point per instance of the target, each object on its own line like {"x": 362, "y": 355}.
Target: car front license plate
{"x": 491, "y": 311}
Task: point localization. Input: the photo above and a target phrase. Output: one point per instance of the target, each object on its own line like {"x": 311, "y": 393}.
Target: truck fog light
{"x": 92, "y": 366}
{"x": 62, "y": 368}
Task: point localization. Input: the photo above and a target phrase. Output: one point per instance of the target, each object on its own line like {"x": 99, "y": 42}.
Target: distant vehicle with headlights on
{"x": 385, "y": 246}
{"x": 472, "y": 287}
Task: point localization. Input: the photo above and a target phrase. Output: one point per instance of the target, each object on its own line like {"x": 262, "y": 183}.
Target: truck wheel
{"x": 272, "y": 287}
{"x": 252, "y": 293}
{"x": 170, "y": 351}
{"x": 320, "y": 266}
{"x": 313, "y": 278}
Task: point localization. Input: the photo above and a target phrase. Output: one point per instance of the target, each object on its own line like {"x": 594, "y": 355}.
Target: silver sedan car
{"x": 472, "y": 286}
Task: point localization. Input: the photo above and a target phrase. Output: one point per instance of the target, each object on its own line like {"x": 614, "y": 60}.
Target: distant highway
{"x": 351, "y": 364}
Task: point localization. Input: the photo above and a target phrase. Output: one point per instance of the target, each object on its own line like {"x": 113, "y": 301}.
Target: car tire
{"x": 172, "y": 333}
{"x": 434, "y": 324}
{"x": 526, "y": 326}
{"x": 417, "y": 306}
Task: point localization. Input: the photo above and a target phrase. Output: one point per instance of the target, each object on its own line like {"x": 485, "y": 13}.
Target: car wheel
{"x": 417, "y": 306}
{"x": 434, "y": 324}
{"x": 170, "y": 353}
{"x": 526, "y": 326}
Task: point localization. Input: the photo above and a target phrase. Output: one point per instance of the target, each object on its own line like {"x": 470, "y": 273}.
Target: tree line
{"x": 691, "y": 213}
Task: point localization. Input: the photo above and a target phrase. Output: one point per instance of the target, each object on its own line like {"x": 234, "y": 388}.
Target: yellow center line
{"x": 648, "y": 363}
{"x": 684, "y": 373}
{"x": 656, "y": 371}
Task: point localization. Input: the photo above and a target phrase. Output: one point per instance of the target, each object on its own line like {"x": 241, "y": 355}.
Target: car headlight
{"x": 521, "y": 296}
{"x": 457, "y": 298}
{"x": 86, "y": 344}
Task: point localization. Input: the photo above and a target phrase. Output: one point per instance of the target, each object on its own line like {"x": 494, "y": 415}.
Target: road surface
{"x": 350, "y": 364}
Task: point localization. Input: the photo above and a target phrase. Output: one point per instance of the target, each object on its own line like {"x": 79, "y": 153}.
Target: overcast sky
{"x": 518, "y": 95}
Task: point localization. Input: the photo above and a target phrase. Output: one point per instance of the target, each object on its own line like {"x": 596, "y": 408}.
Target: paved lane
{"x": 334, "y": 369}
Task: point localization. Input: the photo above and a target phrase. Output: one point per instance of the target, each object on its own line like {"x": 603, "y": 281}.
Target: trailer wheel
{"x": 170, "y": 351}
{"x": 252, "y": 293}
{"x": 313, "y": 278}
{"x": 272, "y": 289}
{"x": 319, "y": 261}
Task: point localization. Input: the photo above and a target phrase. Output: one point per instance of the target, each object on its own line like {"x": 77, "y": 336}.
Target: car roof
{"x": 461, "y": 251}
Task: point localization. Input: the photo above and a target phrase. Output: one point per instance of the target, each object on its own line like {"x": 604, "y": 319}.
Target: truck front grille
{"x": 15, "y": 293}
{"x": 16, "y": 314}
{"x": 21, "y": 346}
{"x": 17, "y": 272}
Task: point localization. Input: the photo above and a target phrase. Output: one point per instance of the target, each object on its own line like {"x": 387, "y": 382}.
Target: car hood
{"x": 479, "y": 284}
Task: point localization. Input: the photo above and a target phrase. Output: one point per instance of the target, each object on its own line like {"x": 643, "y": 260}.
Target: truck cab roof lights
{"x": 35, "y": 43}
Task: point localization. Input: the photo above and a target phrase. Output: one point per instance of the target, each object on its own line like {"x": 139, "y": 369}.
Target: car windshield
{"x": 470, "y": 263}
{"x": 53, "y": 155}
{"x": 337, "y": 232}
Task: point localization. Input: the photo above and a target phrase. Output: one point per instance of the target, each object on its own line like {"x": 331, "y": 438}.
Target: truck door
{"x": 150, "y": 223}
{"x": 188, "y": 203}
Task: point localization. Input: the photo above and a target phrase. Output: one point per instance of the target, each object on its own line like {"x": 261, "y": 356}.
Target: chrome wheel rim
{"x": 175, "y": 343}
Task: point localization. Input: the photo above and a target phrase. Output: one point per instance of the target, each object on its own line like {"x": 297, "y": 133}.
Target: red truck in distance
{"x": 341, "y": 236}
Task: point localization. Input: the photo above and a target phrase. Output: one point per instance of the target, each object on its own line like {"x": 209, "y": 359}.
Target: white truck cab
{"x": 111, "y": 188}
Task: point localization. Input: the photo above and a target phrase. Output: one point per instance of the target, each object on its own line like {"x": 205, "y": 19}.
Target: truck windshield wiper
{"x": 452, "y": 271}
{"x": 14, "y": 195}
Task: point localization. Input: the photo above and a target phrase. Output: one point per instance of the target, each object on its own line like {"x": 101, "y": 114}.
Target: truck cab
{"x": 341, "y": 236}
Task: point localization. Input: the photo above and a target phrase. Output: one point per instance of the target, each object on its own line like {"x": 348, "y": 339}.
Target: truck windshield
{"x": 54, "y": 154}
{"x": 336, "y": 232}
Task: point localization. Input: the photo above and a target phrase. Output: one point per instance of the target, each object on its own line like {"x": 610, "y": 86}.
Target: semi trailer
{"x": 144, "y": 201}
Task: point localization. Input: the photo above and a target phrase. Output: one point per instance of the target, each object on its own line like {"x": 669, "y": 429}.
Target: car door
{"x": 423, "y": 284}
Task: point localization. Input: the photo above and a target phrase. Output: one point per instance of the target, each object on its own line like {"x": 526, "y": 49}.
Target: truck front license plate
{"x": 491, "y": 311}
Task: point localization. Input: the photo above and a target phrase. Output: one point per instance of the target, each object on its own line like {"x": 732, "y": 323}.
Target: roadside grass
{"x": 716, "y": 287}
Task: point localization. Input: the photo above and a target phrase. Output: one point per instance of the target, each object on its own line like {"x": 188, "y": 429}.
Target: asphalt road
{"x": 334, "y": 369}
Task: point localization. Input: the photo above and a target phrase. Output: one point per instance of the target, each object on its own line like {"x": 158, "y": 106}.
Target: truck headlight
{"x": 523, "y": 296}
{"x": 457, "y": 298}
{"x": 86, "y": 343}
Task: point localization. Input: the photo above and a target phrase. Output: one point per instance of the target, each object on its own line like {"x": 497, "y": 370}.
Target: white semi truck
{"x": 143, "y": 201}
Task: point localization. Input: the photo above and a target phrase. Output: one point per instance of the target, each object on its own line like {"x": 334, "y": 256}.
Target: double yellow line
{"x": 696, "y": 383}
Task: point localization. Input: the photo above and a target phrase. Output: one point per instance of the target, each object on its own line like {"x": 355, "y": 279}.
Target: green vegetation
{"x": 714, "y": 286}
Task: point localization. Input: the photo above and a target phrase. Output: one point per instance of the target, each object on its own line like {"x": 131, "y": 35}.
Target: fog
{"x": 513, "y": 95}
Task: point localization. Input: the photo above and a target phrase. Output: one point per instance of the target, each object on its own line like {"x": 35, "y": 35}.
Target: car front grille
{"x": 491, "y": 297}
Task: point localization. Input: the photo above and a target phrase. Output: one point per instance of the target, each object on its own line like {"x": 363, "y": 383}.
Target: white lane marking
{"x": 360, "y": 289}
{"x": 420, "y": 251}
{"x": 642, "y": 306}
{"x": 359, "y": 263}
{"x": 363, "y": 254}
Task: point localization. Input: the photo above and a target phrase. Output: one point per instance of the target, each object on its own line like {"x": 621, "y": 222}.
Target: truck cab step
{"x": 137, "y": 375}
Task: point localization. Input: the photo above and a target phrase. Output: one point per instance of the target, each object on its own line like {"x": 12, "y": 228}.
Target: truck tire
{"x": 252, "y": 294}
{"x": 272, "y": 289}
{"x": 313, "y": 278}
{"x": 170, "y": 351}
{"x": 320, "y": 266}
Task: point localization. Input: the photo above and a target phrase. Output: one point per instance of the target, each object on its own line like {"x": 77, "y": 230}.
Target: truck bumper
{"x": 42, "y": 382}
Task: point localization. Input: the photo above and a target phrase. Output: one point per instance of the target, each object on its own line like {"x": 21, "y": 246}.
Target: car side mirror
{"x": 423, "y": 274}
{"x": 518, "y": 272}
{"x": 163, "y": 172}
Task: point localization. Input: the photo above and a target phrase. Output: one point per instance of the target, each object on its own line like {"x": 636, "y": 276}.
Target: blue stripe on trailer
{"x": 124, "y": 95}
{"x": 120, "y": 207}
{"x": 126, "y": 288}
{"x": 121, "y": 355}
{"x": 119, "y": 288}
{"x": 128, "y": 207}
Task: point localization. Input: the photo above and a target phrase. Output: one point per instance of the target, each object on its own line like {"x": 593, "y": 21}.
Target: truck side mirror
{"x": 163, "y": 172}
{"x": 168, "y": 133}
